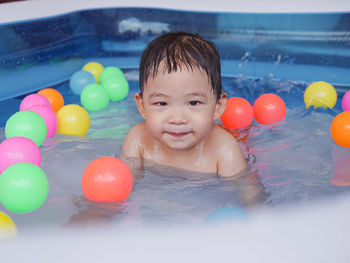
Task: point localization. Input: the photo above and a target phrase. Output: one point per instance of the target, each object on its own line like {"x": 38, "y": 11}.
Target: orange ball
{"x": 269, "y": 108}
{"x": 340, "y": 129}
{"x": 238, "y": 113}
{"x": 107, "y": 179}
{"x": 55, "y": 98}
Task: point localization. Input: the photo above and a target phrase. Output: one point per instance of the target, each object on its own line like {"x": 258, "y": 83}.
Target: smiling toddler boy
{"x": 181, "y": 97}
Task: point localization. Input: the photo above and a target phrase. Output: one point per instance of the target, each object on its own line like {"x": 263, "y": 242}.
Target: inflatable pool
{"x": 273, "y": 47}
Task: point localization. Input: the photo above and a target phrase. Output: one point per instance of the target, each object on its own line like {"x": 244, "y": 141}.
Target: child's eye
{"x": 161, "y": 103}
{"x": 194, "y": 102}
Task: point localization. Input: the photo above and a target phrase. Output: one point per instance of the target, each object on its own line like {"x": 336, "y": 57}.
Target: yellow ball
{"x": 73, "y": 120}
{"x": 8, "y": 228}
{"x": 320, "y": 94}
{"x": 95, "y": 69}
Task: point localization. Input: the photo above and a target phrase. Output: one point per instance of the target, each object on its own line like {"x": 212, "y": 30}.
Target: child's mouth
{"x": 178, "y": 135}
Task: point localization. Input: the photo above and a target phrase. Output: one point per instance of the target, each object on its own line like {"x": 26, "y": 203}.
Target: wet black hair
{"x": 181, "y": 49}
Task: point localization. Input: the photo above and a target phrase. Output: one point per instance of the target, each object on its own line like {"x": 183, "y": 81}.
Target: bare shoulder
{"x": 132, "y": 146}
{"x": 222, "y": 134}
{"x": 137, "y": 129}
{"x": 230, "y": 158}
{"x": 223, "y": 137}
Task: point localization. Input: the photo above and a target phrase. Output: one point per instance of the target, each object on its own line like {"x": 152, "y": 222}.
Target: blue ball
{"x": 226, "y": 214}
{"x": 79, "y": 80}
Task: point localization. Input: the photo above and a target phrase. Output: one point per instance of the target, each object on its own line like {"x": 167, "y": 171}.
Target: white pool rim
{"x": 35, "y": 9}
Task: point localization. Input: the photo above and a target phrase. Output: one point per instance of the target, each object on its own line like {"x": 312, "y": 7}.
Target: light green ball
{"x": 23, "y": 187}
{"x": 26, "y": 124}
{"x": 94, "y": 98}
{"x": 117, "y": 88}
{"x": 110, "y": 72}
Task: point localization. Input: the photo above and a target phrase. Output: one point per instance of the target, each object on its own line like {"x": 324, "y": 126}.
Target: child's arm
{"x": 131, "y": 151}
{"x": 233, "y": 166}
{"x": 132, "y": 144}
{"x": 250, "y": 190}
{"x": 230, "y": 157}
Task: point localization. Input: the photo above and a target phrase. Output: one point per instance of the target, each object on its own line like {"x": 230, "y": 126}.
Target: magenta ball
{"x": 49, "y": 117}
{"x": 18, "y": 150}
{"x": 33, "y": 99}
{"x": 345, "y": 102}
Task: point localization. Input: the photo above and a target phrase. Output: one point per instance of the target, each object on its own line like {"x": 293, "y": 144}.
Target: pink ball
{"x": 49, "y": 117}
{"x": 345, "y": 102}
{"x": 18, "y": 150}
{"x": 33, "y": 99}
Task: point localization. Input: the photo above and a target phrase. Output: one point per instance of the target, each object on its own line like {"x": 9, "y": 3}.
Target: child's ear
{"x": 140, "y": 105}
{"x": 220, "y": 106}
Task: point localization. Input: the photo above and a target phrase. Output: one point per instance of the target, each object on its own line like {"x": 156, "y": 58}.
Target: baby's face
{"x": 179, "y": 108}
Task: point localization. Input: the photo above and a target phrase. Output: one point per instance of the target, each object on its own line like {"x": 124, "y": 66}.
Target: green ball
{"x": 23, "y": 187}
{"x": 26, "y": 124}
{"x": 117, "y": 88}
{"x": 94, "y": 98}
{"x": 110, "y": 72}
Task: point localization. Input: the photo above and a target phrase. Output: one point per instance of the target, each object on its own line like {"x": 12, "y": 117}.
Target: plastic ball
{"x": 94, "y": 98}
{"x": 107, "y": 179}
{"x": 49, "y": 116}
{"x": 269, "y": 108}
{"x": 33, "y": 99}
{"x": 18, "y": 150}
{"x": 55, "y": 98}
{"x": 238, "y": 113}
{"x": 226, "y": 214}
{"x": 79, "y": 80}
{"x": 345, "y": 102}
{"x": 320, "y": 94}
{"x": 95, "y": 69}
{"x": 8, "y": 228}
{"x": 23, "y": 187}
{"x": 340, "y": 129}
{"x": 26, "y": 124}
{"x": 117, "y": 88}
{"x": 73, "y": 120}
{"x": 111, "y": 72}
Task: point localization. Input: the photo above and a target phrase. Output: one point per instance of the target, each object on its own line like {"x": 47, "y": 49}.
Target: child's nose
{"x": 177, "y": 117}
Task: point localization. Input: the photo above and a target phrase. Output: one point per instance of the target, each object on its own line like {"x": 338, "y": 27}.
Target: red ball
{"x": 107, "y": 179}
{"x": 269, "y": 108}
{"x": 238, "y": 113}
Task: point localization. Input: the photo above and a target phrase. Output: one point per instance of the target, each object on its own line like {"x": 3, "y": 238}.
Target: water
{"x": 295, "y": 160}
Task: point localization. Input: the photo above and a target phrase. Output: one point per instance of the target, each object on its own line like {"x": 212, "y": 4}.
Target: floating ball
{"x": 269, "y": 108}
{"x": 94, "y": 98}
{"x": 79, "y": 80}
{"x": 107, "y": 179}
{"x": 18, "y": 150}
{"x": 111, "y": 72}
{"x": 345, "y": 102}
{"x": 54, "y": 96}
{"x": 33, "y": 99}
{"x": 320, "y": 94}
{"x": 8, "y": 228}
{"x": 23, "y": 187}
{"x": 238, "y": 113}
{"x": 340, "y": 129}
{"x": 95, "y": 69}
{"x": 73, "y": 120}
{"x": 26, "y": 124}
{"x": 49, "y": 116}
{"x": 117, "y": 88}
{"x": 227, "y": 214}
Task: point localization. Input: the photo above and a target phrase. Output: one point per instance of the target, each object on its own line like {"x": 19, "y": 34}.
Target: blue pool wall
{"x": 302, "y": 47}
